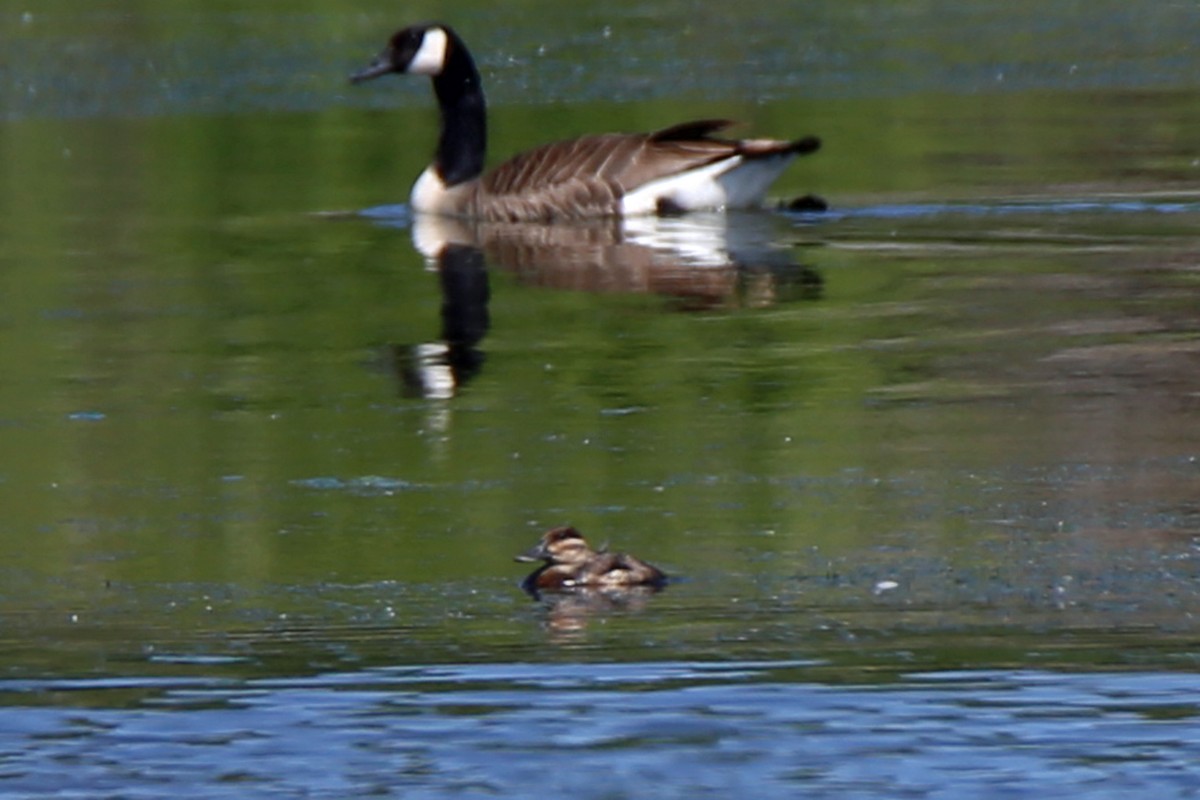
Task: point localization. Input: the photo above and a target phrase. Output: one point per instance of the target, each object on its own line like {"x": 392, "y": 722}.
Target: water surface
{"x": 924, "y": 466}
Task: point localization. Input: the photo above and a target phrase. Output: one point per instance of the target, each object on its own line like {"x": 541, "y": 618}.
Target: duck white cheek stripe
{"x": 431, "y": 55}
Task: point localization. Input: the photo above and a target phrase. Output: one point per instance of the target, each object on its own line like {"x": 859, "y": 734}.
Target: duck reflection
{"x": 576, "y": 582}
{"x": 568, "y": 613}
{"x": 700, "y": 261}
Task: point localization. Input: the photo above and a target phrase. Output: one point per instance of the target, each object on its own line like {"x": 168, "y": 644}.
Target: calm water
{"x": 926, "y": 466}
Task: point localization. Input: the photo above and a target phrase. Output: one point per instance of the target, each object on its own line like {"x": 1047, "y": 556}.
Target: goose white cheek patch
{"x": 430, "y": 57}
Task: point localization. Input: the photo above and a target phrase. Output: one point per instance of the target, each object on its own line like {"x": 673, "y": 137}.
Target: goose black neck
{"x": 462, "y": 145}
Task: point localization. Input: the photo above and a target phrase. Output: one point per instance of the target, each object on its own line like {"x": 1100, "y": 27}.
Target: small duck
{"x": 571, "y": 563}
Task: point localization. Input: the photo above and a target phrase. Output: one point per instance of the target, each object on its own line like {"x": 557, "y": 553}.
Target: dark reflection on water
{"x": 437, "y": 369}
{"x": 676, "y": 729}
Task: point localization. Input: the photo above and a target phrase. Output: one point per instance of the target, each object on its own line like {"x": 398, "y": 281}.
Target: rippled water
{"x": 676, "y": 729}
{"x": 923, "y": 467}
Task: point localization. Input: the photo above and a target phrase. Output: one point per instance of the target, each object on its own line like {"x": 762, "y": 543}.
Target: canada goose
{"x": 677, "y": 169}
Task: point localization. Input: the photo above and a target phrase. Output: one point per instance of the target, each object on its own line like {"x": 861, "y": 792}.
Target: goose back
{"x": 589, "y": 176}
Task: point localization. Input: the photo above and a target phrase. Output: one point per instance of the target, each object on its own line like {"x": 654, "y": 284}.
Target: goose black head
{"x": 416, "y": 50}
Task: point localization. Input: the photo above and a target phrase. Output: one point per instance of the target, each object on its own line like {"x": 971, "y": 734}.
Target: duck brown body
{"x": 571, "y": 562}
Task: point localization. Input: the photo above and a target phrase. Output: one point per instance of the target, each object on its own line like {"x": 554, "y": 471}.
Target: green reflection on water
{"x": 197, "y": 388}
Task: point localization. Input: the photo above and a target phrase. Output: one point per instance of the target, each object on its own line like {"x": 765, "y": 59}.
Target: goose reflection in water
{"x": 700, "y": 261}
{"x": 436, "y": 369}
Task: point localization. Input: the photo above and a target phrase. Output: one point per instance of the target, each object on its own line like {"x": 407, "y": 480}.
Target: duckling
{"x": 571, "y": 563}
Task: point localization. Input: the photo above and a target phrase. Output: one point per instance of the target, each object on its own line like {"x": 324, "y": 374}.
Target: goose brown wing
{"x": 588, "y": 176}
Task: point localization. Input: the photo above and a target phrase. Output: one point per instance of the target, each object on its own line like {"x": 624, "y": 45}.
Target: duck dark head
{"x": 417, "y": 50}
